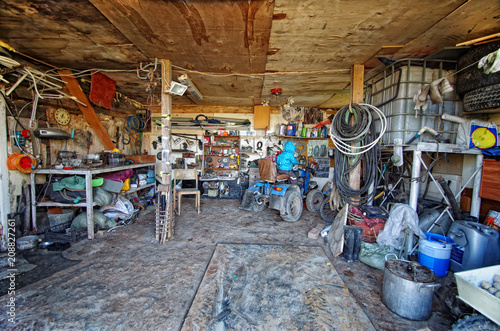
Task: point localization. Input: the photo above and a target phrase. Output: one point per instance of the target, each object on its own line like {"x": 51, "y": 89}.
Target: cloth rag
{"x": 435, "y": 91}
{"x": 490, "y": 63}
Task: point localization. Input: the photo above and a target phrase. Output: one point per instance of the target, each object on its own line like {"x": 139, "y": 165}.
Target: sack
{"x": 66, "y": 195}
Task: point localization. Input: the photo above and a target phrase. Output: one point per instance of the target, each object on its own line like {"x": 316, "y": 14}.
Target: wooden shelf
{"x": 135, "y": 189}
{"x": 305, "y": 138}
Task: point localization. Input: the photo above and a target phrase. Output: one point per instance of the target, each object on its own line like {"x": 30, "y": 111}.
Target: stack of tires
{"x": 479, "y": 90}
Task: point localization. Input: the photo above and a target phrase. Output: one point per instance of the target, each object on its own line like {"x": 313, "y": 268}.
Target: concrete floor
{"x": 127, "y": 281}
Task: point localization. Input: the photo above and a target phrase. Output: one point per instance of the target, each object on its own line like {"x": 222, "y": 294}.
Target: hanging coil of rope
{"x": 353, "y": 134}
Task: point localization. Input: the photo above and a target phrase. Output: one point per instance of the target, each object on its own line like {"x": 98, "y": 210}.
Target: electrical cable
{"x": 353, "y": 133}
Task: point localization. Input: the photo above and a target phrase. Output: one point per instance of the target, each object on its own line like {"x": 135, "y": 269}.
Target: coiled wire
{"x": 353, "y": 134}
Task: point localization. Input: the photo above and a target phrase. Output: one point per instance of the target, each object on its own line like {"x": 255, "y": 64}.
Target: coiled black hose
{"x": 357, "y": 128}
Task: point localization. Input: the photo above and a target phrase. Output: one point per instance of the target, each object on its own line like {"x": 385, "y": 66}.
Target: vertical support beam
{"x": 475, "y": 205}
{"x": 166, "y": 201}
{"x": 4, "y": 177}
{"x": 87, "y": 110}
{"x": 414, "y": 191}
{"x": 357, "y": 78}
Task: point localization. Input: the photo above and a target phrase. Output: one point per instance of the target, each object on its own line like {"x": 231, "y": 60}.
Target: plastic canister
{"x": 304, "y": 131}
{"x": 290, "y": 129}
{"x": 282, "y": 129}
{"x": 126, "y": 185}
{"x": 434, "y": 252}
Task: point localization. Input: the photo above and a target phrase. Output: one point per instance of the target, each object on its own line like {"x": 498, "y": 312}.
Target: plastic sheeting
{"x": 401, "y": 217}
{"x": 122, "y": 209}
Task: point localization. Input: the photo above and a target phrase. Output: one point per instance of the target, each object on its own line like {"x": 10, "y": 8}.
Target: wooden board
{"x": 472, "y": 19}
{"x": 273, "y": 287}
{"x": 261, "y": 117}
{"x": 490, "y": 180}
{"x": 141, "y": 158}
{"x": 209, "y": 36}
{"x": 336, "y": 234}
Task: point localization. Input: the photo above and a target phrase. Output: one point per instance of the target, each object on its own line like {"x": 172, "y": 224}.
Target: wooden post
{"x": 4, "y": 178}
{"x": 357, "y": 77}
{"x": 167, "y": 214}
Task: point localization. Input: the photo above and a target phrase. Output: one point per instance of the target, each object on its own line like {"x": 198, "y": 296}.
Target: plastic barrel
{"x": 434, "y": 252}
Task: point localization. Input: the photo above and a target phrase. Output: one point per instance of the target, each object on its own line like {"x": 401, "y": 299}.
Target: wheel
{"x": 313, "y": 200}
{"x": 258, "y": 205}
{"x": 469, "y": 76}
{"x": 474, "y": 322}
{"x": 327, "y": 214}
{"x": 292, "y": 206}
{"x": 482, "y": 98}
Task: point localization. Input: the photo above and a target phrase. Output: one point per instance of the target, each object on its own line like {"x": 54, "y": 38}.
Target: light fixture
{"x": 177, "y": 88}
{"x": 192, "y": 89}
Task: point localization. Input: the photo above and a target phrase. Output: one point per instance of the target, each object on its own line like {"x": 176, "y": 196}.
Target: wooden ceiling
{"x": 237, "y": 51}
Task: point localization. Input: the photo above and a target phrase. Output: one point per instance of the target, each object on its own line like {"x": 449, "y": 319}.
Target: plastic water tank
{"x": 476, "y": 246}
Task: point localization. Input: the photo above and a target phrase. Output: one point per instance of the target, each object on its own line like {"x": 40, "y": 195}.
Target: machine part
{"x": 259, "y": 203}
{"x": 408, "y": 289}
{"x": 259, "y": 146}
{"x": 292, "y": 206}
{"x": 208, "y": 159}
{"x": 50, "y": 133}
{"x": 225, "y": 160}
{"x": 314, "y": 200}
{"x": 474, "y": 322}
{"x": 62, "y": 116}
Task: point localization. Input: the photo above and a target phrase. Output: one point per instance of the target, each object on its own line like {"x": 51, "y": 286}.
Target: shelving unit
{"x": 222, "y": 154}
{"x": 89, "y": 204}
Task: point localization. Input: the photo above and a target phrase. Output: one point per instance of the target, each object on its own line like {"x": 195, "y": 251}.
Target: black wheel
{"x": 469, "y": 76}
{"x": 327, "y": 214}
{"x": 292, "y": 206}
{"x": 482, "y": 98}
{"x": 258, "y": 205}
{"x": 313, "y": 200}
{"x": 474, "y": 323}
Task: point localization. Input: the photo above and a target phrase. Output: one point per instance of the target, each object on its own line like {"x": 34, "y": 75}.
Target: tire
{"x": 292, "y": 206}
{"x": 257, "y": 206}
{"x": 471, "y": 77}
{"x": 327, "y": 214}
{"x": 475, "y": 322}
{"x": 313, "y": 201}
{"x": 482, "y": 98}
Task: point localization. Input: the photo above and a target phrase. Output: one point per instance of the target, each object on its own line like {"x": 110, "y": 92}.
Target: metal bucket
{"x": 408, "y": 289}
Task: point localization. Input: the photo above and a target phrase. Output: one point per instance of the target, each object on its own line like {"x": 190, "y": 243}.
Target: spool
{"x": 434, "y": 252}
{"x": 23, "y": 162}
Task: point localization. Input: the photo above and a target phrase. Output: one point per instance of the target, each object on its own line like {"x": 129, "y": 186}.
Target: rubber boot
{"x": 349, "y": 239}
{"x": 358, "y": 236}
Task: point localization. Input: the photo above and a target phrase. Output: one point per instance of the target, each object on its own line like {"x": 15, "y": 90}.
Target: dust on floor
{"x": 126, "y": 280}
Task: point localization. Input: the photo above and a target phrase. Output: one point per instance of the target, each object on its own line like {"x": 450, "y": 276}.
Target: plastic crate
{"x": 470, "y": 291}
{"x": 63, "y": 233}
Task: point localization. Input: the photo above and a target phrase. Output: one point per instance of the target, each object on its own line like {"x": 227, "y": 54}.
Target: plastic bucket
{"x": 434, "y": 252}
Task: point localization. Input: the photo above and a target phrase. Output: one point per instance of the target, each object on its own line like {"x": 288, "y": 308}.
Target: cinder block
{"x": 314, "y": 233}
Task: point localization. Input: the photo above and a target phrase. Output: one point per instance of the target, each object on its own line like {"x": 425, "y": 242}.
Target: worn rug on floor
{"x": 273, "y": 287}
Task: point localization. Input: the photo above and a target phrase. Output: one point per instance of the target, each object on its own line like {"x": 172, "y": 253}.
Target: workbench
{"x": 89, "y": 204}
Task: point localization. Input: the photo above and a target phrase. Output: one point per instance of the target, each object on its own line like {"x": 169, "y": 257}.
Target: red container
{"x": 369, "y": 234}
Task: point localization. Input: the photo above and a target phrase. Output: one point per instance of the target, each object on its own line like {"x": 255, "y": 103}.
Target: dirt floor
{"x": 125, "y": 280}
